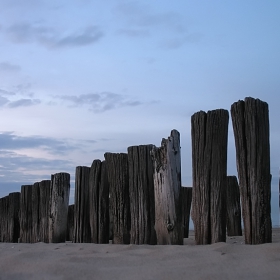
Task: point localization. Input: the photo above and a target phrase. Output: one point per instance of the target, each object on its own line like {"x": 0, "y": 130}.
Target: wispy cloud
{"x": 49, "y": 37}
{"x": 23, "y": 103}
{"x": 9, "y": 67}
{"x": 100, "y": 102}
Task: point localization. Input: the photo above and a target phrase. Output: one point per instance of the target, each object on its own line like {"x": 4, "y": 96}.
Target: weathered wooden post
{"x": 167, "y": 184}
{"x": 117, "y": 169}
{"x": 233, "y": 207}
{"x": 35, "y": 235}
{"x": 142, "y": 197}
{"x": 4, "y": 203}
{"x": 13, "y": 221}
{"x": 44, "y": 209}
{"x": 82, "y": 233}
{"x": 94, "y": 183}
{"x": 60, "y": 190}
{"x": 209, "y": 163}
{"x": 70, "y": 223}
{"x": 250, "y": 119}
{"x": 103, "y": 207}
{"x": 186, "y": 204}
{"x": 26, "y": 214}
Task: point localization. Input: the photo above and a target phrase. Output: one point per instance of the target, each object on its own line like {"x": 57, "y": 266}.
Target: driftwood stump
{"x": 209, "y": 160}
{"x": 167, "y": 184}
{"x": 233, "y": 207}
{"x": 142, "y": 197}
{"x": 60, "y": 189}
{"x": 117, "y": 169}
{"x": 82, "y": 232}
{"x": 250, "y": 119}
{"x": 186, "y": 205}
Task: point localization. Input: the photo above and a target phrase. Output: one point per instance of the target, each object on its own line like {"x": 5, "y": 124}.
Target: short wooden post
{"x": 94, "y": 183}
{"x": 167, "y": 184}
{"x": 60, "y": 189}
{"x": 70, "y": 223}
{"x": 250, "y": 119}
{"x": 209, "y": 163}
{"x": 142, "y": 197}
{"x": 82, "y": 233}
{"x": 103, "y": 207}
{"x": 4, "y": 204}
{"x": 44, "y": 209}
{"x": 117, "y": 169}
{"x": 233, "y": 207}
{"x": 186, "y": 204}
{"x": 13, "y": 222}
{"x": 26, "y": 214}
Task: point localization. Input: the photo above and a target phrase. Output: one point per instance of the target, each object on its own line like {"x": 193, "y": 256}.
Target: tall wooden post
{"x": 186, "y": 204}
{"x": 26, "y": 214}
{"x": 35, "y": 213}
{"x": 13, "y": 221}
{"x": 117, "y": 169}
{"x": 233, "y": 207}
{"x": 167, "y": 184}
{"x": 44, "y": 209}
{"x": 60, "y": 189}
{"x": 142, "y": 197}
{"x": 4, "y": 204}
{"x": 82, "y": 233}
{"x": 209, "y": 160}
{"x": 250, "y": 119}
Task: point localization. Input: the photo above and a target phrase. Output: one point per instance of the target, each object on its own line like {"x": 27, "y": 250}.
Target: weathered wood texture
{"x": 60, "y": 189}
{"x": 94, "y": 183}
{"x": 167, "y": 184}
{"x": 209, "y": 164}
{"x": 70, "y": 223}
{"x": 250, "y": 119}
{"x": 186, "y": 205}
{"x": 4, "y": 213}
{"x": 13, "y": 218}
{"x": 103, "y": 207}
{"x": 141, "y": 192}
{"x": 82, "y": 232}
{"x": 44, "y": 210}
{"x": 35, "y": 236}
{"x": 26, "y": 214}
{"x": 233, "y": 207}
{"x": 117, "y": 169}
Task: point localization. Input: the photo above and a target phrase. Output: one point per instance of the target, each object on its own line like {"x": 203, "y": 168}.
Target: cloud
{"x": 21, "y": 33}
{"x": 23, "y": 103}
{"x": 100, "y": 102}
{"x": 5, "y": 92}
{"x": 8, "y": 67}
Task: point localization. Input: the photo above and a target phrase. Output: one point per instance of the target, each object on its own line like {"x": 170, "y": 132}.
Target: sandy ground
{"x": 230, "y": 260}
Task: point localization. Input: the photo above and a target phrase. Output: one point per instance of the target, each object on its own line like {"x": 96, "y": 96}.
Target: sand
{"x": 230, "y": 260}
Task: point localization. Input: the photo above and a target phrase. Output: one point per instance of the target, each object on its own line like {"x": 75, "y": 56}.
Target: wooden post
{"x": 13, "y": 221}
{"x": 26, "y": 214}
{"x": 233, "y": 207}
{"x": 70, "y": 223}
{"x": 4, "y": 203}
{"x": 94, "y": 183}
{"x": 44, "y": 209}
{"x": 35, "y": 235}
{"x": 167, "y": 184}
{"x": 103, "y": 207}
{"x": 117, "y": 169}
{"x": 142, "y": 197}
{"x": 186, "y": 204}
{"x": 60, "y": 189}
{"x": 209, "y": 160}
{"x": 250, "y": 119}
{"x": 82, "y": 233}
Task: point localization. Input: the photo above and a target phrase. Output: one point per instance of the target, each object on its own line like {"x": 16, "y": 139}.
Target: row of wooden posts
{"x": 137, "y": 197}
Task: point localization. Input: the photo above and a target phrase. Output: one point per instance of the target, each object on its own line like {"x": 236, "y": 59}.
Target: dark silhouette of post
{"x": 117, "y": 169}
{"x": 13, "y": 217}
{"x": 35, "y": 213}
{"x": 70, "y": 224}
{"x": 4, "y": 223}
{"x": 186, "y": 205}
{"x": 250, "y": 119}
{"x": 167, "y": 184}
{"x": 233, "y": 207}
{"x": 209, "y": 164}
{"x": 142, "y": 197}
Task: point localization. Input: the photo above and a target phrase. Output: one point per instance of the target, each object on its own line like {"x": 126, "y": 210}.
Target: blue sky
{"x": 81, "y": 78}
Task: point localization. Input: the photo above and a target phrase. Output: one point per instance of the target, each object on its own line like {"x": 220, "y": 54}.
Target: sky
{"x": 80, "y": 78}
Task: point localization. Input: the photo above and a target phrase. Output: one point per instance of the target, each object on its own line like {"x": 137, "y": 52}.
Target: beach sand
{"x": 230, "y": 260}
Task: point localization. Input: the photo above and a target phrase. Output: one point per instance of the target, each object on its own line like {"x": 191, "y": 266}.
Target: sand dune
{"x": 231, "y": 260}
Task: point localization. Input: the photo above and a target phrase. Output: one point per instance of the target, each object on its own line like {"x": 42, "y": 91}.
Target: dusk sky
{"x": 81, "y": 78}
